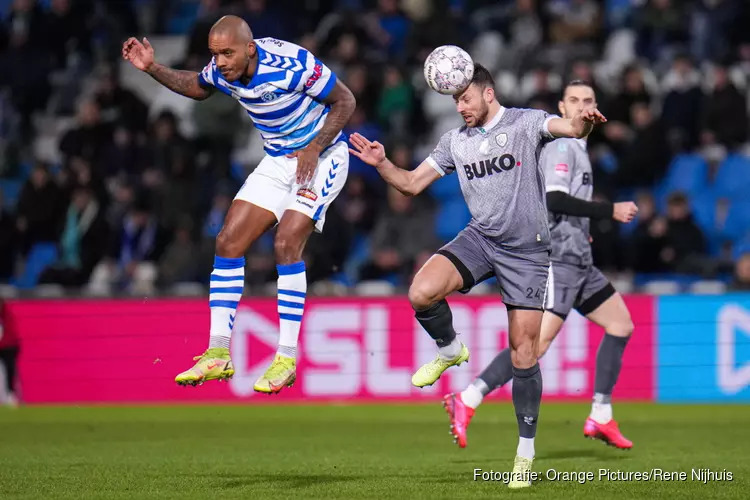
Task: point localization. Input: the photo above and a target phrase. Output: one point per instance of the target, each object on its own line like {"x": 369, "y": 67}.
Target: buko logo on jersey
{"x": 494, "y": 165}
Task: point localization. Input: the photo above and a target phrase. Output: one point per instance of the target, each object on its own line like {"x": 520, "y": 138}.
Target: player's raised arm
{"x": 577, "y": 127}
{"x": 409, "y": 182}
{"x": 187, "y": 83}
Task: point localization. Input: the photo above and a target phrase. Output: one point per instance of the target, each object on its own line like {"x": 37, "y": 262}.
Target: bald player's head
{"x": 231, "y": 43}
{"x": 232, "y": 26}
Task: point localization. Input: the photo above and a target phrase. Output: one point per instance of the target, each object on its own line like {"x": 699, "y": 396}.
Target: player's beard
{"x": 481, "y": 117}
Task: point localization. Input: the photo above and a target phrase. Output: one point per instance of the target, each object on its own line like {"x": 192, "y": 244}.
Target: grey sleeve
{"x": 558, "y": 162}
{"x": 540, "y": 123}
{"x": 441, "y": 157}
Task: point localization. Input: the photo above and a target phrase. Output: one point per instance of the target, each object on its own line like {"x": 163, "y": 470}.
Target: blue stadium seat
{"x": 41, "y": 256}
{"x": 733, "y": 178}
{"x": 737, "y": 224}
{"x": 687, "y": 173}
{"x": 452, "y": 217}
{"x": 11, "y": 190}
{"x": 703, "y": 206}
{"x": 446, "y": 189}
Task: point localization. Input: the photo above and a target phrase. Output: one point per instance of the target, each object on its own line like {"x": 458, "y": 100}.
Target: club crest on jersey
{"x": 269, "y": 96}
{"x": 307, "y": 193}
{"x": 502, "y": 139}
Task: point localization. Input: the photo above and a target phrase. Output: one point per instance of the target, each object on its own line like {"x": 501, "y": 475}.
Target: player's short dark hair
{"x": 482, "y": 77}
{"x": 575, "y": 83}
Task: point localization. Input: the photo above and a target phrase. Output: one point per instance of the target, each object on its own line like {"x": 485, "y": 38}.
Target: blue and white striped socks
{"x": 227, "y": 283}
{"x": 292, "y": 290}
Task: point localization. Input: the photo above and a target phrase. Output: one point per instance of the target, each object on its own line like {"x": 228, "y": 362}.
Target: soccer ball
{"x": 448, "y": 70}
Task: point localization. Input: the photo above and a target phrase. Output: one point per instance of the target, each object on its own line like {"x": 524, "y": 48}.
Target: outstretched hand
{"x": 372, "y": 153}
{"x": 140, "y": 55}
{"x": 593, "y": 116}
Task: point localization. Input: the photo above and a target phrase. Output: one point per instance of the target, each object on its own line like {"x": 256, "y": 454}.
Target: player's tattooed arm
{"x": 141, "y": 55}
{"x": 183, "y": 82}
{"x": 342, "y": 103}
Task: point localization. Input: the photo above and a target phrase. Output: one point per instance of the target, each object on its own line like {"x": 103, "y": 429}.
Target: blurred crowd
{"x": 137, "y": 187}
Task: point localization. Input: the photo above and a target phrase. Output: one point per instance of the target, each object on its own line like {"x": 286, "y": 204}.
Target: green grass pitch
{"x": 348, "y": 452}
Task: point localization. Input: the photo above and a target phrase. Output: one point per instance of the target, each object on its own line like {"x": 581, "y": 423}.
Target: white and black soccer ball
{"x": 448, "y": 69}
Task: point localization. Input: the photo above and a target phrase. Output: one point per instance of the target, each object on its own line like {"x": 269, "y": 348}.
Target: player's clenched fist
{"x": 625, "y": 211}
{"x": 372, "y": 153}
{"x": 140, "y": 55}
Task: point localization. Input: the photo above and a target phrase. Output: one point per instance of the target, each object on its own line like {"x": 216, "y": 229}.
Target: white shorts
{"x": 273, "y": 185}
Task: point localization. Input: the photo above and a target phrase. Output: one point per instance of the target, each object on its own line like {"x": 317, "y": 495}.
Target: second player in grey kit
{"x": 496, "y": 157}
{"x": 575, "y": 282}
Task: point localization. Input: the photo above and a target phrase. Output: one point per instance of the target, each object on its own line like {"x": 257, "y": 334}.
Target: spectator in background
{"x": 8, "y": 242}
{"x": 681, "y": 109}
{"x": 390, "y": 27}
{"x": 661, "y": 26}
{"x": 83, "y": 242}
{"x": 166, "y": 143}
{"x": 632, "y": 90}
{"x": 219, "y": 123}
{"x": 67, "y": 32}
{"x": 23, "y": 46}
{"x": 574, "y": 21}
{"x": 119, "y": 105}
{"x": 713, "y": 28}
{"x": 197, "y": 46}
{"x": 643, "y": 150}
{"x": 741, "y": 279}
{"x": 648, "y": 237}
{"x": 39, "y": 209}
{"x": 265, "y": 20}
{"x": 359, "y": 123}
{"x": 357, "y": 205}
{"x": 395, "y": 104}
{"x": 683, "y": 240}
{"x": 137, "y": 247}
{"x": 179, "y": 263}
{"x": 605, "y": 241}
{"x": 89, "y": 140}
{"x": 124, "y": 157}
{"x": 402, "y": 233}
{"x": 725, "y": 112}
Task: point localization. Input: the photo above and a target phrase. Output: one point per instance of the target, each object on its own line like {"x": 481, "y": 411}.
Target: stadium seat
{"x": 48, "y": 291}
{"x": 8, "y": 292}
{"x": 661, "y": 288}
{"x": 737, "y": 224}
{"x": 451, "y": 218}
{"x": 708, "y": 288}
{"x": 703, "y": 206}
{"x": 446, "y": 189}
{"x": 733, "y": 178}
{"x": 188, "y": 290}
{"x": 41, "y": 256}
{"x": 11, "y": 190}
{"x": 375, "y": 289}
{"x": 687, "y": 173}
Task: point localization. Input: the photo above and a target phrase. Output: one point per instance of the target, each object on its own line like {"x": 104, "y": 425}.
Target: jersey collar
{"x": 583, "y": 143}
{"x": 495, "y": 120}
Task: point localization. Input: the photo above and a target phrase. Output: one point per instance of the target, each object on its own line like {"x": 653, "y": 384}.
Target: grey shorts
{"x": 522, "y": 276}
{"x": 574, "y": 287}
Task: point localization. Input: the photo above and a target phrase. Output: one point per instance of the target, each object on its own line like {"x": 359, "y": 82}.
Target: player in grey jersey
{"x": 575, "y": 282}
{"x": 495, "y": 156}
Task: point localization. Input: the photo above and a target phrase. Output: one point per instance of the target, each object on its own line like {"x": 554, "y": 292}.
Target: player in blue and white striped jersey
{"x": 300, "y": 108}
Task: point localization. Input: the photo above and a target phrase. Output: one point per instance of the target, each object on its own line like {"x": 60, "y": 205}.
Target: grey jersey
{"x": 500, "y": 176}
{"x": 567, "y": 168}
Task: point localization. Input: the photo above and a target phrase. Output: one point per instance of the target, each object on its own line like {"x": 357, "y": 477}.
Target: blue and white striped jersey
{"x": 283, "y": 97}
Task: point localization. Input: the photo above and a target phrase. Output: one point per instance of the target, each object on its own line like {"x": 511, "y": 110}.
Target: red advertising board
{"x": 350, "y": 349}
